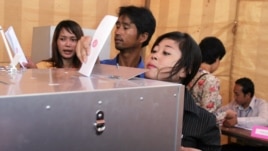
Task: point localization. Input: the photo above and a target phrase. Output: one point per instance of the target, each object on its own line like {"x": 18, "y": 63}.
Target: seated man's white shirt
{"x": 255, "y": 114}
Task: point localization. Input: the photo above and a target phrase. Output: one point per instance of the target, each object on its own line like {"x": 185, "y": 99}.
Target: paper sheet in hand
{"x": 100, "y": 36}
{"x": 15, "y": 45}
{"x": 114, "y": 72}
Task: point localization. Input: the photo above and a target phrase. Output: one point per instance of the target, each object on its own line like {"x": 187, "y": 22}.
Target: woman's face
{"x": 161, "y": 60}
{"x": 66, "y": 44}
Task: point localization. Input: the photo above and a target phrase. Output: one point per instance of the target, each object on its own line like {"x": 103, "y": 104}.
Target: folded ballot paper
{"x": 15, "y": 46}
{"x": 100, "y": 36}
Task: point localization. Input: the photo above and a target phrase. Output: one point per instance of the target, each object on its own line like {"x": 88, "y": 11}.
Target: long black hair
{"x": 72, "y": 27}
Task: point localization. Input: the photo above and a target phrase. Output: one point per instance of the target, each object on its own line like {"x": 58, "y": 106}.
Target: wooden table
{"x": 243, "y": 134}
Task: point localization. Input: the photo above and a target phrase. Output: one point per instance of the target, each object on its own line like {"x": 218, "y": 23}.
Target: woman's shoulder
{"x": 208, "y": 76}
{"x": 203, "y": 77}
{"x": 44, "y": 64}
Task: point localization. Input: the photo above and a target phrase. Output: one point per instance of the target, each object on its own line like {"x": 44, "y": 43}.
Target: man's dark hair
{"x": 142, "y": 17}
{"x": 211, "y": 49}
{"x": 247, "y": 85}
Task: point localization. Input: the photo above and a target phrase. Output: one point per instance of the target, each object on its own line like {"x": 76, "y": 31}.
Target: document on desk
{"x": 100, "y": 36}
{"x": 260, "y": 132}
{"x": 15, "y": 45}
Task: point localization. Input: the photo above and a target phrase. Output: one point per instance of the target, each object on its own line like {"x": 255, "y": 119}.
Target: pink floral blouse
{"x": 206, "y": 91}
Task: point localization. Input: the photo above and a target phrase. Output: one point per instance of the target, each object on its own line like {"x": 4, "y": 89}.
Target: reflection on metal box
{"x": 59, "y": 110}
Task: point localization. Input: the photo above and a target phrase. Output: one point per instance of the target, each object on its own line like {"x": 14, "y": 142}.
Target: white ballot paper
{"x": 15, "y": 45}
{"x": 100, "y": 36}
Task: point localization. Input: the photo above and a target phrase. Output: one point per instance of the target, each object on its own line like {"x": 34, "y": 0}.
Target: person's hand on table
{"x": 30, "y": 64}
{"x": 230, "y": 114}
{"x": 230, "y": 119}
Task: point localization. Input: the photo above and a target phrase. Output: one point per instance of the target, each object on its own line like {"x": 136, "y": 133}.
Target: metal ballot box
{"x": 60, "y": 110}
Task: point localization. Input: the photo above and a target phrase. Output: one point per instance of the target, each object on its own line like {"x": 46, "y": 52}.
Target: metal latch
{"x": 100, "y": 122}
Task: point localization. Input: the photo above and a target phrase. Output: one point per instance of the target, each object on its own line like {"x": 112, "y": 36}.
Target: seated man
{"x": 245, "y": 111}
